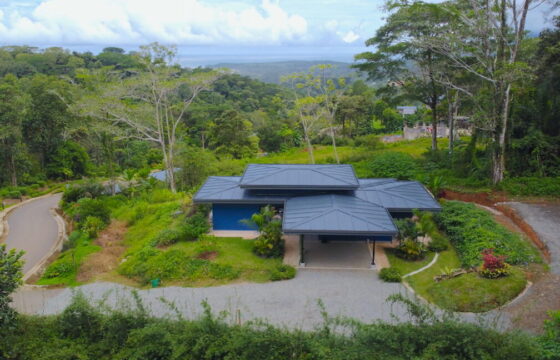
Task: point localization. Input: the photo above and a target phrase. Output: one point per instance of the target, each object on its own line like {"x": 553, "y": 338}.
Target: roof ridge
{"x": 332, "y": 177}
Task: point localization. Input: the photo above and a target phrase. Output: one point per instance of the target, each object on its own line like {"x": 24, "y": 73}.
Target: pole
{"x": 373, "y": 254}
{"x": 301, "y": 250}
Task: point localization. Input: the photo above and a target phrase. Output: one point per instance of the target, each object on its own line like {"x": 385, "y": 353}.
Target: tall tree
{"x": 48, "y": 116}
{"x": 401, "y": 61}
{"x": 485, "y": 42}
{"x": 152, "y": 104}
{"x": 12, "y": 111}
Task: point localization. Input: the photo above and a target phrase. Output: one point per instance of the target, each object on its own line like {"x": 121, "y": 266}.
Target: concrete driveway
{"x": 337, "y": 254}
{"x": 32, "y": 228}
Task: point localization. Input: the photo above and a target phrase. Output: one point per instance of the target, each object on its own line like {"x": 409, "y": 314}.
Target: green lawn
{"x": 467, "y": 293}
{"x": 405, "y": 266}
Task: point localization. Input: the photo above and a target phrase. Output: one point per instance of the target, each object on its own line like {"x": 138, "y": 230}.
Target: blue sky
{"x": 206, "y": 31}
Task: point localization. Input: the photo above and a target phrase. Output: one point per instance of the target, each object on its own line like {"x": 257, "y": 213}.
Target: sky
{"x": 205, "y": 31}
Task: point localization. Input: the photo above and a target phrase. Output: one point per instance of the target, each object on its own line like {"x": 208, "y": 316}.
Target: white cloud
{"x": 182, "y": 22}
{"x": 350, "y": 37}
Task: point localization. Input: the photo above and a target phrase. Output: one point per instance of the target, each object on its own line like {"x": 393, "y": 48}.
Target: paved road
{"x": 33, "y": 229}
{"x": 545, "y": 220}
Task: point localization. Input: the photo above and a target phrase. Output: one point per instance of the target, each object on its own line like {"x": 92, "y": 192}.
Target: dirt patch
{"x": 207, "y": 255}
{"x": 483, "y": 198}
{"x": 108, "y": 258}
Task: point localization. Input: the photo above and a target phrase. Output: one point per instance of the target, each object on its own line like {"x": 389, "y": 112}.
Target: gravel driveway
{"x": 545, "y": 220}
{"x": 294, "y": 303}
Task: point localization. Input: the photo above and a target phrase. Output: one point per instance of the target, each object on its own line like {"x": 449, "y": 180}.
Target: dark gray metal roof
{"x": 225, "y": 189}
{"x": 271, "y": 176}
{"x": 397, "y": 195}
{"x": 336, "y": 214}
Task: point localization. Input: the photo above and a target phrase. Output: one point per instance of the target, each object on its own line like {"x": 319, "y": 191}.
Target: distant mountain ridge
{"x": 271, "y": 72}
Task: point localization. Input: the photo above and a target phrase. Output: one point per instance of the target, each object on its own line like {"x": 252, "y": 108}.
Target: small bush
{"x": 370, "y": 141}
{"x": 282, "y": 272}
{"x": 411, "y": 250}
{"x": 168, "y": 237}
{"x": 393, "y": 165}
{"x": 407, "y": 229}
{"x": 86, "y": 207}
{"x": 92, "y": 226}
{"x": 59, "y": 268}
{"x": 390, "y": 275}
{"x": 80, "y": 320}
{"x": 76, "y": 192}
{"x": 195, "y": 226}
{"x": 438, "y": 244}
{"x": 493, "y": 266}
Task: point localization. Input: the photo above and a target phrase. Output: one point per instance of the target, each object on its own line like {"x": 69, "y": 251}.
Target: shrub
{"x": 195, "y": 226}
{"x": 532, "y": 186}
{"x": 80, "y": 320}
{"x": 168, "y": 237}
{"x": 407, "y": 229}
{"x": 438, "y": 244}
{"x": 282, "y": 272}
{"x": 59, "y": 268}
{"x": 86, "y": 207}
{"x": 471, "y": 230}
{"x": 92, "y": 226}
{"x": 150, "y": 342}
{"x": 550, "y": 340}
{"x": 390, "y": 275}
{"x": 393, "y": 165}
{"x": 270, "y": 242}
{"x": 493, "y": 266}
{"x": 76, "y": 192}
{"x": 370, "y": 141}
{"x": 411, "y": 250}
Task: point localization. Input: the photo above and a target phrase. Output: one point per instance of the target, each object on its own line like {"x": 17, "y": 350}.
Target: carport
{"x": 337, "y": 230}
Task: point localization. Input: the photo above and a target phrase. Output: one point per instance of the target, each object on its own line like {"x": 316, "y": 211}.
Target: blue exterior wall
{"x": 229, "y": 216}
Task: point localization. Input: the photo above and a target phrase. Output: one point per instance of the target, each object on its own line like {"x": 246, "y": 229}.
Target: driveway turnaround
{"x": 33, "y": 229}
{"x": 294, "y": 303}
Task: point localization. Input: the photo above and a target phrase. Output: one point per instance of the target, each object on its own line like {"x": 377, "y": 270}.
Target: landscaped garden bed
{"x": 471, "y": 233}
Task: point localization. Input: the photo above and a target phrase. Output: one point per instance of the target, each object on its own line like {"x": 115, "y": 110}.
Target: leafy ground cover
{"x": 164, "y": 241}
{"x": 472, "y": 230}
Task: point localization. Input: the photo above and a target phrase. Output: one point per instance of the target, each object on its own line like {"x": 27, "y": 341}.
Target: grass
{"x": 67, "y": 265}
{"x": 465, "y": 293}
{"x": 405, "y": 266}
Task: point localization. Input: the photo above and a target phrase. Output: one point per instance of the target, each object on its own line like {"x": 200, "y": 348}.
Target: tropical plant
{"x": 390, "y": 274}
{"x": 270, "y": 242}
{"x": 493, "y": 266}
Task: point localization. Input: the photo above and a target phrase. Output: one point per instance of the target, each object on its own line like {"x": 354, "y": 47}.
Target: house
{"x": 407, "y": 110}
{"x": 323, "y": 201}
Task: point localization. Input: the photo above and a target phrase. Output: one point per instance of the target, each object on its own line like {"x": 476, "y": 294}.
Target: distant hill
{"x": 271, "y": 72}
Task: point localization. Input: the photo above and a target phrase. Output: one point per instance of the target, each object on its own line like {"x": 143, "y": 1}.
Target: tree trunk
{"x": 434, "y": 127}
{"x": 309, "y": 148}
{"x": 14, "y": 172}
{"x": 334, "y": 145}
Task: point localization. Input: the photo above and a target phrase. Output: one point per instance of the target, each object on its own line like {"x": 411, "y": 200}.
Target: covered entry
{"x": 337, "y": 231}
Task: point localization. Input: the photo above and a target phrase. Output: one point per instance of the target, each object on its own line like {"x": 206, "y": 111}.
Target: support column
{"x": 301, "y": 250}
{"x": 373, "y": 254}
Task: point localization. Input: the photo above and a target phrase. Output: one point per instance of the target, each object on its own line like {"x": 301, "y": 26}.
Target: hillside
{"x": 271, "y": 72}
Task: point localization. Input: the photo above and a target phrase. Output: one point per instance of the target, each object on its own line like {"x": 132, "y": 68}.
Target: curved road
{"x": 33, "y": 229}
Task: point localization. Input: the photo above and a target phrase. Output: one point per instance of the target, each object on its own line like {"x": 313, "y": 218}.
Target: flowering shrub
{"x": 494, "y": 266}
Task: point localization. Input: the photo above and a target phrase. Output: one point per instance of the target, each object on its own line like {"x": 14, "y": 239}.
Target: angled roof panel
{"x": 397, "y": 195}
{"x": 336, "y": 214}
{"x": 302, "y": 177}
{"x": 224, "y": 189}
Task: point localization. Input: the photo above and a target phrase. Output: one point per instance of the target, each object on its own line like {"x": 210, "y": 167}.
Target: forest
{"x": 67, "y": 115}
